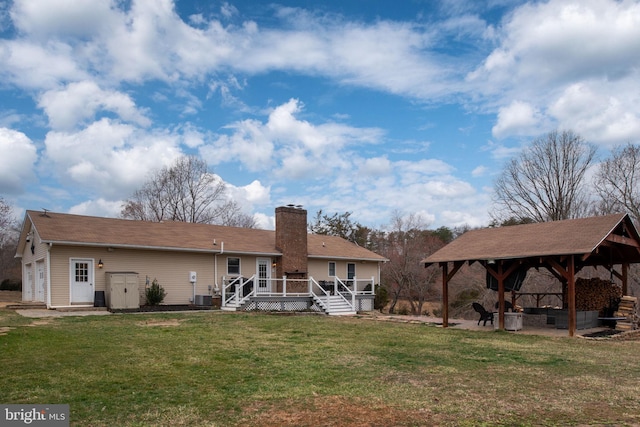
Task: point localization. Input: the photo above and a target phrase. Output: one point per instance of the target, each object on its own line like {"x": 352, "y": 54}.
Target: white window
{"x": 332, "y": 269}
{"x": 233, "y": 266}
{"x": 351, "y": 271}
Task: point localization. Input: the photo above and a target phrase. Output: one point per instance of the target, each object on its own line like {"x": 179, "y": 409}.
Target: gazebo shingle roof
{"x": 576, "y": 236}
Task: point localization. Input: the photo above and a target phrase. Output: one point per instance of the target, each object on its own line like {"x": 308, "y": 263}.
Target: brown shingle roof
{"x": 577, "y": 236}
{"x": 60, "y": 228}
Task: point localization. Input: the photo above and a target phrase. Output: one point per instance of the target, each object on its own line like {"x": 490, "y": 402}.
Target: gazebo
{"x": 561, "y": 247}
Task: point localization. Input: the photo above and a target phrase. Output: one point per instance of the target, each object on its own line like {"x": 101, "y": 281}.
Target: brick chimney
{"x": 291, "y": 240}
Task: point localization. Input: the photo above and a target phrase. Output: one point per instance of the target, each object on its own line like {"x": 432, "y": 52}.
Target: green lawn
{"x": 220, "y": 369}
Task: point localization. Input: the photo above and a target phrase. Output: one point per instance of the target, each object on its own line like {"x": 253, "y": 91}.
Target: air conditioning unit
{"x": 203, "y": 300}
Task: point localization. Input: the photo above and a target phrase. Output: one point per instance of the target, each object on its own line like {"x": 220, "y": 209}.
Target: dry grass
{"x": 216, "y": 369}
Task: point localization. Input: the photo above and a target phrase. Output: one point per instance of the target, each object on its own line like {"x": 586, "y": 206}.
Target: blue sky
{"x": 371, "y": 107}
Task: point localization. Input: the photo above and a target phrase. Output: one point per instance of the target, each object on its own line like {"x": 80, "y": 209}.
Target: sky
{"x": 372, "y": 107}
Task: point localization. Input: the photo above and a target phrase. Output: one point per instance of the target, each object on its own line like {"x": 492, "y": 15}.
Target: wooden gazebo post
{"x": 445, "y": 294}
{"x": 500, "y": 296}
{"x": 571, "y": 294}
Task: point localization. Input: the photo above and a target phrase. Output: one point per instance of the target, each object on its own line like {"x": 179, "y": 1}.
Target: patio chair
{"x": 484, "y": 314}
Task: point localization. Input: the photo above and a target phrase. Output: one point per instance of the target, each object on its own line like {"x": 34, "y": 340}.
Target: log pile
{"x": 596, "y": 294}
{"x": 628, "y": 308}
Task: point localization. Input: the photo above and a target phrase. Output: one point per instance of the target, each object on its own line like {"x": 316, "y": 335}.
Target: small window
{"x": 332, "y": 269}
{"x": 351, "y": 271}
{"x": 233, "y": 266}
{"x": 82, "y": 272}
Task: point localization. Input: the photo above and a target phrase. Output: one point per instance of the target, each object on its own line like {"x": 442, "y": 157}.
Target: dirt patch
{"x": 5, "y": 329}
{"x": 163, "y": 322}
{"x": 336, "y": 411}
{"x": 41, "y": 322}
{"x": 10, "y": 297}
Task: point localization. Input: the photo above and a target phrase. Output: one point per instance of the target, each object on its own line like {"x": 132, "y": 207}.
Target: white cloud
{"x": 518, "y": 118}
{"x": 98, "y": 207}
{"x": 548, "y": 52}
{"x": 78, "y": 102}
{"x": 18, "y": 156}
{"x": 479, "y": 171}
{"x": 108, "y": 158}
{"x": 597, "y": 114}
{"x": 290, "y": 147}
{"x": 28, "y": 65}
{"x": 251, "y": 195}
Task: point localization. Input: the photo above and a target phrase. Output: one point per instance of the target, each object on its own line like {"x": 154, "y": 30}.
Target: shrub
{"x": 155, "y": 293}
{"x": 381, "y": 299}
{"x": 11, "y": 285}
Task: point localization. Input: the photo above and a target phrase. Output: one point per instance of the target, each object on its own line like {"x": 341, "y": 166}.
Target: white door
{"x": 40, "y": 281}
{"x": 264, "y": 274}
{"x": 27, "y": 294}
{"x": 82, "y": 281}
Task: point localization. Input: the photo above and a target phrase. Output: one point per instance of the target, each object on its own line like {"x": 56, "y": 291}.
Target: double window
{"x": 351, "y": 270}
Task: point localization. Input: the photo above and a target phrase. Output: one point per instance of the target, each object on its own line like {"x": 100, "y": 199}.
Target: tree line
{"x": 555, "y": 177}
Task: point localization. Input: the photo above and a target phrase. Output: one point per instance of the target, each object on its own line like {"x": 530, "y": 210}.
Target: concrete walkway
{"x": 39, "y": 313}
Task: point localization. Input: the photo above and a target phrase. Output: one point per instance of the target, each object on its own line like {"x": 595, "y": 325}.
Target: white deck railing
{"x": 237, "y": 290}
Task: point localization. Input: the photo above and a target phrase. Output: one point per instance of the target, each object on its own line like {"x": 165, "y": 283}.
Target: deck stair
{"x": 337, "y": 305}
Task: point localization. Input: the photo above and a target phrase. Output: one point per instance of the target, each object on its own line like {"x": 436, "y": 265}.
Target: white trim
{"x": 27, "y": 292}
{"x": 239, "y": 273}
{"x": 266, "y": 261}
{"x": 329, "y": 268}
{"x": 48, "y": 266}
{"x": 40, "y": 263}
{"x": 355, "y": 274}
{"x": 91, "y": 278}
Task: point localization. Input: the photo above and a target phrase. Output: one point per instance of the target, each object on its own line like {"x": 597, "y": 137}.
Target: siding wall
{"x": 171, "y": 269}
{"x": 319, "y": 269}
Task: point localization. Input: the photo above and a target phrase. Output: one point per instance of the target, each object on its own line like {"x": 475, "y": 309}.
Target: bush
{"x": 381, "y": 299}
{"x": 11, "y": 285}
{"x": 404, "y": 311}
{"x": 155, "y": 293}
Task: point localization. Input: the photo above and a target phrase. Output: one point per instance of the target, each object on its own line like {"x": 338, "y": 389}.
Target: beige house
{"x": 71, "y": 260}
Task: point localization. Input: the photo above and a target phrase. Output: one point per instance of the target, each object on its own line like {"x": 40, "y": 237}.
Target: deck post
{"x": 284, "y": 285}
{"x": 353, "y": 294}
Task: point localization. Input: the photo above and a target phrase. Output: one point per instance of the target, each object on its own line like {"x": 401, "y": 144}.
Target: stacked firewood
{"x": 628, "y": 308}
{"x": 596, "y": 294}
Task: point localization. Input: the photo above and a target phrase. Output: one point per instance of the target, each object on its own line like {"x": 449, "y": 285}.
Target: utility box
{"x": 123, "y": 291}
{"x": 203, "y": 300}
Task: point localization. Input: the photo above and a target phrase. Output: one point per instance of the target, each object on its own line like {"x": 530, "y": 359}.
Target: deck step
{"x": 337, "y": 306}
{"x": 27, "y": 306}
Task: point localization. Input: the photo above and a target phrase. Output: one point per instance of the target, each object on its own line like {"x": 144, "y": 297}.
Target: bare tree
{"x": 231, "y": 215}
{"x": 547, "y": 181}
{"x": 617, "y": 182}
{"x": 9, "y": 265}
{"x": 7, "y": 220}
{"x": 340, "y": 225}
{"x": 405, "y": 277}
{"x": 185, "y": 192}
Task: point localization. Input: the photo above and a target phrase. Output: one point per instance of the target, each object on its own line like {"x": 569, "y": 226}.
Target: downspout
{"x": 49, "y": 274}
{"x": 215, "y": 267}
